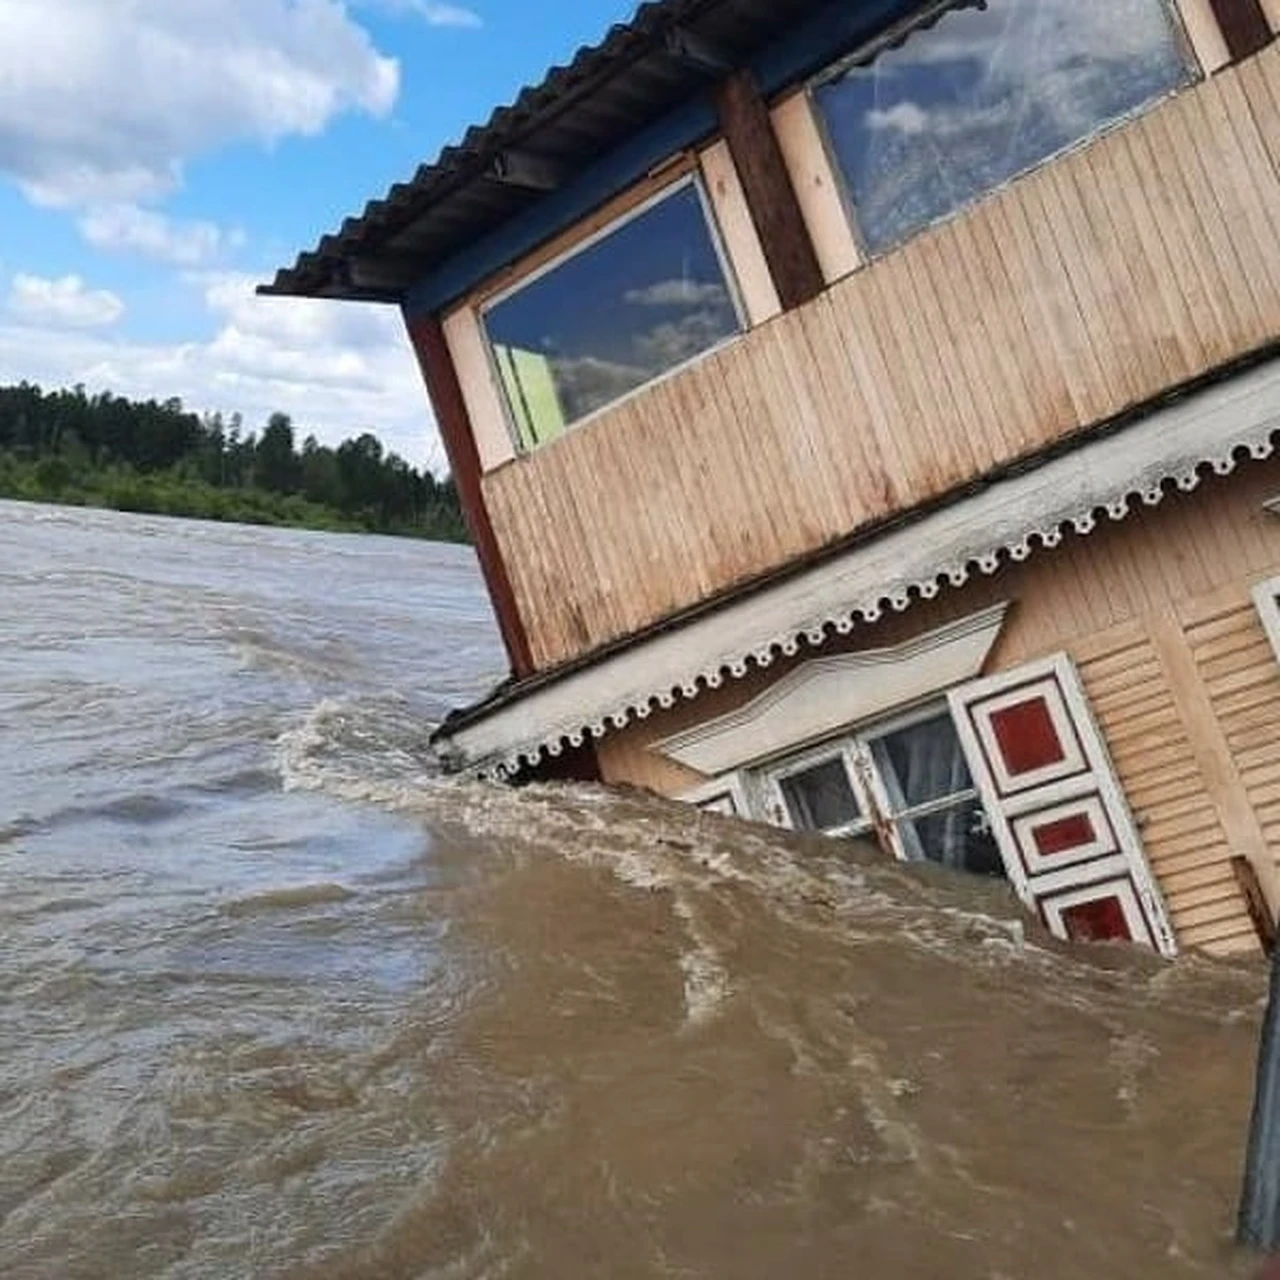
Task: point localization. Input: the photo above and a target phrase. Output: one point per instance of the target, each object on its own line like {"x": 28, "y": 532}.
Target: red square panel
{"x": 1064, "y": 834}
{"x": 1027, "y": 736}
{"x": 1099, "y": 920}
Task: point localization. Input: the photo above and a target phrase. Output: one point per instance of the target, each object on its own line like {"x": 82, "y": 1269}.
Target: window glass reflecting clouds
{"x": 646, "y": 297}
{"x": 986, "y": 93}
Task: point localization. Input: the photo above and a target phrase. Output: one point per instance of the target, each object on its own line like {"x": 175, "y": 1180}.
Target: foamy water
{"x": 278, "y": 1000}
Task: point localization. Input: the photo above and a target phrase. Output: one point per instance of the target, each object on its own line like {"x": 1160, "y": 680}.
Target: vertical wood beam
{"x": 1215, "y": 760}
{"x": 438, "y": 372}
{"x": 1244, "y": 26}
{"x": 775, "y": 208}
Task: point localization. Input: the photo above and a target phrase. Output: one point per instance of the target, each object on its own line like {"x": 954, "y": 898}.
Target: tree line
{"x": 159, "y": 457}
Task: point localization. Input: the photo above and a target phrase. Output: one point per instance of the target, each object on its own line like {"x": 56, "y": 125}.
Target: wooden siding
{"x": 1144, "y": 259}
{"x": 1157, "y": 614}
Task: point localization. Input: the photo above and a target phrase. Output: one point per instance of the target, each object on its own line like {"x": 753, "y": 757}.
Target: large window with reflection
{"x": 921, "y": 127}
{"x": 648, "y": 294}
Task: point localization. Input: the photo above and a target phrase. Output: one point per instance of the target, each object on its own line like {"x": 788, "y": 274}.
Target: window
{"x": 820, "y": 797}
{"x": 649, "y": 294}
{"x": 957, "y": 108}
{"x": 1266, "y": 595}
{"x": 923, "y": 784}
{"x": 726, "y": 796}
{"x": 907, "y": 780}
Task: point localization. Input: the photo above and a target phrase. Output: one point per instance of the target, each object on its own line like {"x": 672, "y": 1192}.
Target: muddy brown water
{"x": 276, "y": 1000}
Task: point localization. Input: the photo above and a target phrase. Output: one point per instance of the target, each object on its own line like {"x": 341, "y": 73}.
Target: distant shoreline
{"x": 153, "y": 458}
{"x": 223, "y": 506}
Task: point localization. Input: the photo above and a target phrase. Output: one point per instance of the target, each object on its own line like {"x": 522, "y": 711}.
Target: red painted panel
{"x": 1098, "y": 921}
{"x": 1064, "y": 834}
{"x": 1027, "y": 737}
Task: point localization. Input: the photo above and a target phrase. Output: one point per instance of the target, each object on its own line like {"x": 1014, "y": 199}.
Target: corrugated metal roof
{"x": 669, "y": 52}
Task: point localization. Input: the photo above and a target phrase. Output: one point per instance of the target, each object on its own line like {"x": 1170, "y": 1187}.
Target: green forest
{"x": 159, "y": 457}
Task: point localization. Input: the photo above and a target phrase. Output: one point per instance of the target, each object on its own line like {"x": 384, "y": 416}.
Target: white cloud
{"x": 101, "y": 103}
{"x": 337, "y": 369}
{"x": 125, "y": 227}
{"x": 906, "y": 117}
{"x": 677, "y": 293}
{"x": 432, "y": 13}
{"x": 66, "y": 301}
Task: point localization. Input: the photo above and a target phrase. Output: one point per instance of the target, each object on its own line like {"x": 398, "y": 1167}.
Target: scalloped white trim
{"x": 1170, "y": 447}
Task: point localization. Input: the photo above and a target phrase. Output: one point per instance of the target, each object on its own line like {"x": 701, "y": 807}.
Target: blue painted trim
{"x": 816, "y": 43}
{"x": 560, "y": 210}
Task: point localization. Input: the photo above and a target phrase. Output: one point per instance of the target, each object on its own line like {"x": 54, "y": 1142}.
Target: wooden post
{"x": 1244, "y": 26}
{"x": 775, "y": 209}
{"x": 436, "y": 362}
{"x": 1255, "y": 901}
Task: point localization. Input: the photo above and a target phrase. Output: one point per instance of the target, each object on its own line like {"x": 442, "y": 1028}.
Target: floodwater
{"x": 277, "y": 1000}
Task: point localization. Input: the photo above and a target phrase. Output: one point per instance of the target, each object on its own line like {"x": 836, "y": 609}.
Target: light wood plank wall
{"x": 1157, "y": 614}
{"x": 1138, "y": 261}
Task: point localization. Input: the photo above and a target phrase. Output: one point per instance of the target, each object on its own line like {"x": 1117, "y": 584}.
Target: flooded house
{"x": 865, "y": 413}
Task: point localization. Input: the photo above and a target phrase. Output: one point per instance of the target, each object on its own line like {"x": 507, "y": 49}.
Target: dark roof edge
{"x": 508, "y": 125}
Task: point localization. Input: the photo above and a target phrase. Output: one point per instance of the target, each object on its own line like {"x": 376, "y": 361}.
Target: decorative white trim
{"x": 1090, "y": 808}
{"x": 1266, "y": 596}
{"x": 1049, "y": 693}
{"x": 825, "y": 695}
{"x": 1007, "y": 520}
{"x": 1121, "y": 889}
{"x": 971, "y": 706}
{"x": 732, "y": 787}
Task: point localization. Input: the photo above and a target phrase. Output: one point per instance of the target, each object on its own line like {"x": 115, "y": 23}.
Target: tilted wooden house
{"x": 865, "y": 414}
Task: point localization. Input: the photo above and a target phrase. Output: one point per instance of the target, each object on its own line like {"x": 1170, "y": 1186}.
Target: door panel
{"x": 1068, "y": 839}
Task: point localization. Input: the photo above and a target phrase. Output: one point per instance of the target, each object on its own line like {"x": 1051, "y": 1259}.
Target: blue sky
{"x": 158, "y": 158}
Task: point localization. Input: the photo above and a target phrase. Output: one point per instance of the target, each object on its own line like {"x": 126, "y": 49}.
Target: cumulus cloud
{"x": 102, "y": 107}
{"x": 336, "y": 369}
{"x": 127, "y": 228}
{"x": 906, "y": 117}
{"x": 677, "y": 293}
{"x": 66, "y": 301}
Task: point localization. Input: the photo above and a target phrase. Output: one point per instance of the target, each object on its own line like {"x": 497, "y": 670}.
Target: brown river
{"x": 278, "y": 1000}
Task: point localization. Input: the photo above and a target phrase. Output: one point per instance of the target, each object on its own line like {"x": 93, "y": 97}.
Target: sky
{"x": 158, "y": 158}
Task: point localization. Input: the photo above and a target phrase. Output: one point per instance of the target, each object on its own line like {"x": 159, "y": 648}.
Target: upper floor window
{"x": 957, "y": 108}
{"x": 649, "y": 293}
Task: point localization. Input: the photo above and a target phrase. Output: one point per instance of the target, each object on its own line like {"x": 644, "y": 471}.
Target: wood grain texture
{"x": 427, "y": 337}
{"x": 1157, "y": 614}
{"x": 1244, "y": 26}
{"x": 775, "y": 208}
{"x": 1144, "y": 259}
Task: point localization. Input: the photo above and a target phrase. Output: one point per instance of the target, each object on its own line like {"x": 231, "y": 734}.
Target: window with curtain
{"x": 649, "y": 294}
{"x": 908, "y": 780}
{"x": 984, "y": 94}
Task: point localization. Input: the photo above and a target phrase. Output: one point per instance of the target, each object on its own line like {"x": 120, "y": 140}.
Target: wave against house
{"x": 865, "y": 414}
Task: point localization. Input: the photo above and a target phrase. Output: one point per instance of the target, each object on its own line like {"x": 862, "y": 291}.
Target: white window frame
{"x": 853, "y": 747}
{"x": 692, "y": 178}
{"x": 903, "y": 30}
{"x": 882, "y": 729}
{"x": 732, "y": 787}
{"x": 1266, "y": 598}
{"x": 842, "y": 749}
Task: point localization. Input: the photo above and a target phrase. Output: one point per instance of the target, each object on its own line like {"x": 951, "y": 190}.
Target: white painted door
{"x": 1051, "y": 795}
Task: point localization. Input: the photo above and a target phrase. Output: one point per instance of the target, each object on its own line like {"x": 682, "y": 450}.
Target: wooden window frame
{"x": 842, "y": 749}
{"x": 1266, "y": 599}
{"x": 510, "y": 285}
{"x": 732, "y": 786}
{"x": 853, "y": 747}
